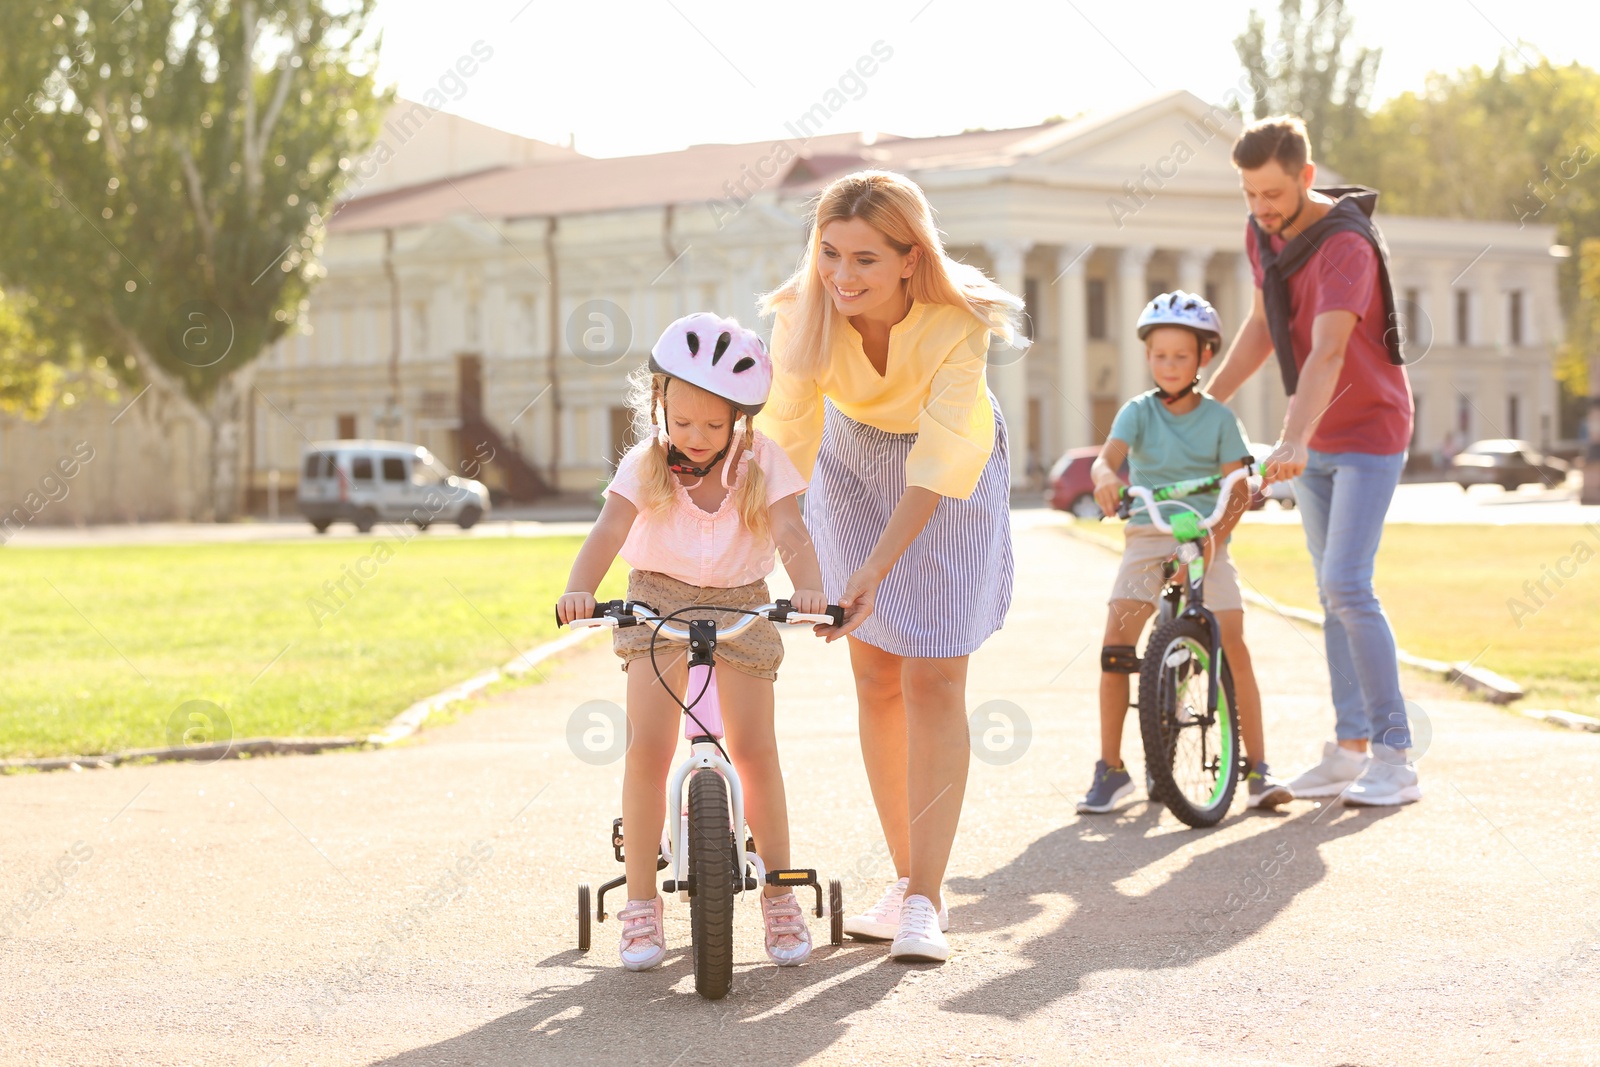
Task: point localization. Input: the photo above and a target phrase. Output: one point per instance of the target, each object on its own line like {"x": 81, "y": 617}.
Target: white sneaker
{"x": 1339, "y": 768}
{"x": 881, "y": 922}
{"x": 919, "y": 937}
{"x": 1389, "y": 780}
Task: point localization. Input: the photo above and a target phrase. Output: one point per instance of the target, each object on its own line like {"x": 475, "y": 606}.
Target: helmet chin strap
{"x": 679, "y": 463}
{"x": 1172, "y": 398}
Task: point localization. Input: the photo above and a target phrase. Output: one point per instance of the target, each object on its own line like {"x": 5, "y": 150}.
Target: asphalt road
{"x": 415, "y": 906}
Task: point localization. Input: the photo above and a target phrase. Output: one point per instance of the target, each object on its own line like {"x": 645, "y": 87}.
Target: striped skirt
{"x": 952, "y": 588}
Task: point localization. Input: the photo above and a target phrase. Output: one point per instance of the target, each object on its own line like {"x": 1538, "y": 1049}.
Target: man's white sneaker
{"x": 1339, "y": 768}
{"x": 881, "y": 922}
{"x": 1389, "y": 780}
{"x": 919, "y": 937}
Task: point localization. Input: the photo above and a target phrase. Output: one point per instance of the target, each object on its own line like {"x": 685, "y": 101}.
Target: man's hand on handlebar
{"x": 574, "y": 606}
{"x": 1288, "y": 460}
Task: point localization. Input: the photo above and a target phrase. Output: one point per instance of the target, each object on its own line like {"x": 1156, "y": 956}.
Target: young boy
{"x": 1169, "y": 434}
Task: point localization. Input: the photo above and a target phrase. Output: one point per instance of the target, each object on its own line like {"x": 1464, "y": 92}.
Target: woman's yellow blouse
{"x": 934, "y": 387}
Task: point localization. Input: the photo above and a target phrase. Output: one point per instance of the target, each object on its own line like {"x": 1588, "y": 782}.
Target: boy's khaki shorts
{"x": 757, "y": 651}
{"x": 1146, "y": 548}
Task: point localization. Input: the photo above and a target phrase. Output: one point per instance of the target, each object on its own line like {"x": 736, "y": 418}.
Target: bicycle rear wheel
{"x": 1191, "y": 755}
{"x": 712, "y": 859}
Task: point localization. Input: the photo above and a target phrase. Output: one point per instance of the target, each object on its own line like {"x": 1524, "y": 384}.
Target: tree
{"x": 1312, "y": 69}
{"x": 1519, "y": 142}
{"x": 163, "y": 183}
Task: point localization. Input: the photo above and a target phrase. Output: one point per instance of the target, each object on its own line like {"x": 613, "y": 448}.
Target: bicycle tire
{"x": 711, "y": 870}
{"x": 1191, "y": 756}
{"x": 835, "y": 912}
{"x": 583, "y": 917}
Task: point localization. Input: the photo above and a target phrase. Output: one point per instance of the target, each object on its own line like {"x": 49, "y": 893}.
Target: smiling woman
{"x": 879, "y": 391}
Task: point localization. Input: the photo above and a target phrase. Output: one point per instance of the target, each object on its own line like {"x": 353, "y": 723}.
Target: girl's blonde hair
{"x": 647, "y": 397}
{"x": 894, "y": 206}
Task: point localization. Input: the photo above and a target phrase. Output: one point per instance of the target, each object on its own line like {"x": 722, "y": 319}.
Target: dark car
{"x": 1070, "y": 488}
{"x": 1506, "y": 463}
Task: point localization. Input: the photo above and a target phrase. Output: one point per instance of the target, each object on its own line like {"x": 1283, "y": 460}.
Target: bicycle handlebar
{"x": 615, "y": 613}
{"x": 1168, "y": 493}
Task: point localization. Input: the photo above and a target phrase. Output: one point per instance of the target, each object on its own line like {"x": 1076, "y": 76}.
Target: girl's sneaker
{"x": 881, "y": 922}
{"x": 919, "y": 937}
{"x": 643, "y": 944}
{"x": 788, "y": 939}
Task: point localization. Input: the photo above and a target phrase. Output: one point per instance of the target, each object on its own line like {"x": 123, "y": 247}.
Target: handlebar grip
{"x": 836, "y": 613}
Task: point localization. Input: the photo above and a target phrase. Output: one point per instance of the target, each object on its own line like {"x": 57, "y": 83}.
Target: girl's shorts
{"x": 756, "y": 652}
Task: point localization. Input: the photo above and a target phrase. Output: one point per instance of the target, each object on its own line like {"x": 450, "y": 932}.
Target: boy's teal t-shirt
{"x": 1164, "y": 448}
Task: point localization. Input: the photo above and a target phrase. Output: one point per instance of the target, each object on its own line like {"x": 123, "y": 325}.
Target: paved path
{"x": 415, "y": 906}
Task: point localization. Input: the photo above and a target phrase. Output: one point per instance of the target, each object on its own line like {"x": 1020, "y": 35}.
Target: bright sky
{"x": 655, "y": 75}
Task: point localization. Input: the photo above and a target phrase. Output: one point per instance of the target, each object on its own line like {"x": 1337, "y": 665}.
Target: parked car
{"x": 1282, "y": 492}
{"x": 1069, "y": 487}
{"x": 1506, "y": 463}
{"x": 367, "y": 482}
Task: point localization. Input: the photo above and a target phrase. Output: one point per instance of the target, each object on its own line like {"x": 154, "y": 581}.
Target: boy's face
{"x": 1174, "y": 356}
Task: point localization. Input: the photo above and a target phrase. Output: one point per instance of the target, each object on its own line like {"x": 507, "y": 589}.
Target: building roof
{"x": 695, "y": 175}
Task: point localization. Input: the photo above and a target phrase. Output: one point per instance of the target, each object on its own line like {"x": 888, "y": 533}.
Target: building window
{"x": 1212, "y": 295}
{"x": 1514, "y": 313}
{"x": 1413, "y": 324}
{"x": 1155, "y": 287}
{"x": 1096, "y": 299}
{"x": 1513, "y": 415}
{"x": 1464, "y": 416}
{"x": 1030, "y": 301}
{"x": 1463, "y": 316}
{"x": 347, "y": 427}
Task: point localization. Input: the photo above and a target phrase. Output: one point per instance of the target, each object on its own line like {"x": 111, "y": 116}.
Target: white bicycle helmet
{"x": 1179, "y": 308}
{"x": 719, "y": 356}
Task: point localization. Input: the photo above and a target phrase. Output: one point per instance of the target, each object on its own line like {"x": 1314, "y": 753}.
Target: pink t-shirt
{"x": 711, "y": 550}
{"x": 1371, "y": 408}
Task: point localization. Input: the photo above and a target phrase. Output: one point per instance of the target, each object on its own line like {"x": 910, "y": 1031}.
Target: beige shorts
{"x": 757, "y": 651}
{"x": 1146, "y": 548}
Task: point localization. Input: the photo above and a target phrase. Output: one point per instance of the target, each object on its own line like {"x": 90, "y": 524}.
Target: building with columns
{"x": 508, "y": 305}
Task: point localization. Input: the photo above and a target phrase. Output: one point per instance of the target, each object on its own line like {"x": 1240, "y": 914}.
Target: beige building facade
{"x": 509, "y": 304}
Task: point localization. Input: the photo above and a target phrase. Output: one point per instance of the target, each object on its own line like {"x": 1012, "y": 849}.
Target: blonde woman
{"x": 879, "y": 397}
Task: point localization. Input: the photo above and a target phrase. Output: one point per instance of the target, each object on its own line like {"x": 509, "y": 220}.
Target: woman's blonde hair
{"x": 895, "y": 206}
{"x": 647, "y": 396}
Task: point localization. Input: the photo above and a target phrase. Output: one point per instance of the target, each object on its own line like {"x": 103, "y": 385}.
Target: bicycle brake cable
{"x": 688, "y": 709}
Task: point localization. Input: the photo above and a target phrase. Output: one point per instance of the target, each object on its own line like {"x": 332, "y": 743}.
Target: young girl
{"x": 696, "y": 508}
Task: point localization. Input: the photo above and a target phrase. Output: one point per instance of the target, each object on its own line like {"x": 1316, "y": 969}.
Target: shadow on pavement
{"x": 1204, "y": 907}
{"x": 612, "y": 1016}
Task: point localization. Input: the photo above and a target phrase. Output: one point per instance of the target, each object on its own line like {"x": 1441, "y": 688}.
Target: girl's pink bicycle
{"x": 707, "y": 845}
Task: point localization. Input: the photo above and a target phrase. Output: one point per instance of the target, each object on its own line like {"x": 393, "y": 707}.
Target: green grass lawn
{"x": 1449, "y": 591}
{"x": 128, "y": 634}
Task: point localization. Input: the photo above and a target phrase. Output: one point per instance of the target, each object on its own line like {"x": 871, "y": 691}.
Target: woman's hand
{"x": 857, "y": 600}
{"x": 574, "y": 606}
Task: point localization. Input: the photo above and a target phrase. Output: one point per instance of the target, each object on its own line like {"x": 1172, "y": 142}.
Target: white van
{"x": 367, "y": 482}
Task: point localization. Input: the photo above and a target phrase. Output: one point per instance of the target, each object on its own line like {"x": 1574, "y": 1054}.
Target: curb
{"x": 1495, "y": 688}
{"x": 400, "y": 727}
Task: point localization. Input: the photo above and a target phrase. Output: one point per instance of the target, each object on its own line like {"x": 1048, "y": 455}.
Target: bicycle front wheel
{"x": 1191, "y": 754}
{"x": 712, "y": 860}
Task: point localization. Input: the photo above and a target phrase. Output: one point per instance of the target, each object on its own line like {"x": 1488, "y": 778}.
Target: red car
{"x": 1070, "y": 488}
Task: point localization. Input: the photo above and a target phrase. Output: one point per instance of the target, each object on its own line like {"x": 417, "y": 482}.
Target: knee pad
{"x": 1119, "y": 659}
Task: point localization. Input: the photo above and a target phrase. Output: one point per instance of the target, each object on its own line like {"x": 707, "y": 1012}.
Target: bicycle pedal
{"x": 797, "y": 876}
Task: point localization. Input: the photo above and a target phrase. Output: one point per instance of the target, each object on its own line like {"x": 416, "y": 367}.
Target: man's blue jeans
{"x": 1343, "y": 497}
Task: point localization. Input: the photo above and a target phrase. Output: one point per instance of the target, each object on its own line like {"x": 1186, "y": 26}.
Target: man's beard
{"x": 1289, "y": 220}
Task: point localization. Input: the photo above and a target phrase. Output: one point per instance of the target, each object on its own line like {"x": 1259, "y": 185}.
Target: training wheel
{"x": 583, "y": 917}
{"x": 835, "y": 911}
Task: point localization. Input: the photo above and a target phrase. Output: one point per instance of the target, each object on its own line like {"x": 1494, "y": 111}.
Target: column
{"x": 1192, "y": 270}
{"x": 1250, "y": 403}
{"x": 1131, "y": 299}
{"x": 1072, "y": 340}
{"x": 1007, "y": 366}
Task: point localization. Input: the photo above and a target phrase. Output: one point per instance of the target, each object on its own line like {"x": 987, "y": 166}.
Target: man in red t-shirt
{"x": 1343, "y": 442}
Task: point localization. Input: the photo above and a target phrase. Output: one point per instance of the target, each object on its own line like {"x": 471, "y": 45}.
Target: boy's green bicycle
{"x": 1186, "y": 707}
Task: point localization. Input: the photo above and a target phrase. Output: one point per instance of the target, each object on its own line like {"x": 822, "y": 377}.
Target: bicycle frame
{"x": 1189, "y": 528}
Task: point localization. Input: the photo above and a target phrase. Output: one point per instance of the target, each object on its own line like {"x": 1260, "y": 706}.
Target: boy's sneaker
{"x": 920, "y": 936}
{"x": 1109, "y": 789}
{"x": 881, "y": 922}
{"x": 1265, "y": 790}
{"x": 788, "y": 939}
{"x": 643, "y": 944}
{"x": 1388, "y": 780}
{"x": 1338, "y": 770}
